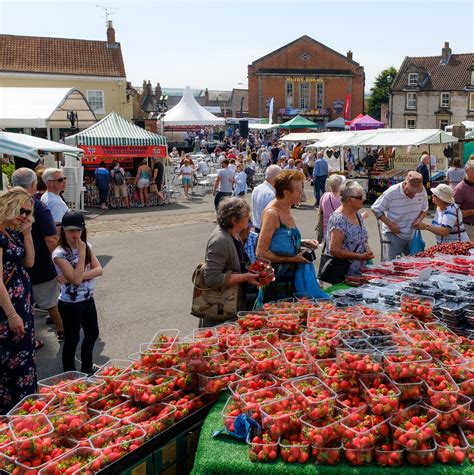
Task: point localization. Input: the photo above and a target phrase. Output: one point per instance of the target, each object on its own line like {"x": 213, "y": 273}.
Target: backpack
{"x": 119, "y": 179}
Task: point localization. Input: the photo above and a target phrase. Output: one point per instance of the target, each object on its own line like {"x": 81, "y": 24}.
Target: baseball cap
{"x": 414, "y": 181}
{"x": 73, "y": 220}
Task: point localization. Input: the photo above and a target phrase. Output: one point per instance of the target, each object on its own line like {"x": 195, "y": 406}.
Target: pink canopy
{"x": 357, "y": 117}
{"x": 365, "y": 123}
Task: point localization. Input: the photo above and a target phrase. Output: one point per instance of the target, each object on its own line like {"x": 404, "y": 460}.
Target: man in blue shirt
{"x": 102, "y": 180}
{"x": 320, "y": 173}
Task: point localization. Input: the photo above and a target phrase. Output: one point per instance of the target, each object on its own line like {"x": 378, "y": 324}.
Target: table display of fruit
{"x": 358, "y": 384}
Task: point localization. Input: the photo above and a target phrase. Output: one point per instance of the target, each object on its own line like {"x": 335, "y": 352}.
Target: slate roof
{"x": 32, "y": 54}
{"x": 453, "y": 76}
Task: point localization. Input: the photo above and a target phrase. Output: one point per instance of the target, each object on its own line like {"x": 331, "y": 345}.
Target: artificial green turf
{"x": 226, "y": 455}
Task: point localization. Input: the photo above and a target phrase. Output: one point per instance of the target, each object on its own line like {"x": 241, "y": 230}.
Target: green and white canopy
{"x": 113, "y": 129}
{"x": 27, "y": 146}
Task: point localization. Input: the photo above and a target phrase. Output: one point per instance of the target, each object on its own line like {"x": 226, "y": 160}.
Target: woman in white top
{"x": 240, "y": 181}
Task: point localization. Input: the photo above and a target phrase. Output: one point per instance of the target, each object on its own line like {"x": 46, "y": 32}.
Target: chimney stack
{"x": 110, "y": 33}
{"x": 446, "y": 53}
{"x": 349, "y": 55}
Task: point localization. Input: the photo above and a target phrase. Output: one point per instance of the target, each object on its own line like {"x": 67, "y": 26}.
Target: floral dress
{"x": 355, "y": 238}
{"x": 17, "y": 355}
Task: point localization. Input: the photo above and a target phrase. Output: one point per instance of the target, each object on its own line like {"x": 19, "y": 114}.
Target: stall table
{"x": 216, "y": 456}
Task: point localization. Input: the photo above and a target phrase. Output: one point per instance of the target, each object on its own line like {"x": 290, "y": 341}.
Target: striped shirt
{"x": 447, "y": 219}
{"x": 400, "y": 209}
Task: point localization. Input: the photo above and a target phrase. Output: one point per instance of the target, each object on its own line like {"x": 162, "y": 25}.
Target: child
{"x": 186, "y": 171}
{"x": 77, "y": 268}
{"x": 240, "y": 182}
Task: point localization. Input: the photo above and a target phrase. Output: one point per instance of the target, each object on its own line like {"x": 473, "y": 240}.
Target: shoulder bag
{"x": 333, "y": 270}
{"x": 213, "y": 303}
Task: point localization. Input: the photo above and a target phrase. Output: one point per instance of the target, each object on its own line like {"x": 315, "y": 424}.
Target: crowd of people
{"x": 48, "y": 263}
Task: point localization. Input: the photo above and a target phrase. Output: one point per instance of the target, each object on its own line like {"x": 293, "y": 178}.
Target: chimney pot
{"x": 349, "y": 55}
{"x": 446, "y": 44}
{"x": 110, "y": 32}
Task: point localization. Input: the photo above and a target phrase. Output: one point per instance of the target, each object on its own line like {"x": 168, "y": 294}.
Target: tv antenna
{"x": 108, "y": 12}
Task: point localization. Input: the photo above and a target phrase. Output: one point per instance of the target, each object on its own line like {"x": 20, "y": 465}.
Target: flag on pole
{"x": 270, "y": 111}
{"x": 347, "y": 107}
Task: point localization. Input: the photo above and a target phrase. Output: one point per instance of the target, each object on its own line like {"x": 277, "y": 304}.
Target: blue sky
{"x": 210, "y": 43}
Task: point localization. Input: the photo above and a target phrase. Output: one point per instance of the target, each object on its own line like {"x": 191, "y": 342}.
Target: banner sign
{"x": 347, "y": 108}
{"x": 408, "y": 158}
{"x": 303, "y": 79}
{"x": 101, "y": 152}
{"x": 310, "y": 112}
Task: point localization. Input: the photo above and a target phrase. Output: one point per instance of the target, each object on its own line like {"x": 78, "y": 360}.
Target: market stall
{"x": 333, "y": 384}
{"x": 53, "y": 154}
{"x": 115, "y": 138}
{"x": 299, "y": 122}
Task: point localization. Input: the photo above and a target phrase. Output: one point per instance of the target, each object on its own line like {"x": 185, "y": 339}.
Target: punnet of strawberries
{"x": 328, "y": 385}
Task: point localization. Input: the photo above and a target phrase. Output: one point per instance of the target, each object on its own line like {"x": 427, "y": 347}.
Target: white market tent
{"x": 304, "y": 136}
{"x": 385, "y": 138}
{"x": 188, "y": 113}
{"x": 263, "y": 126}
{"x": 47, "y": 108}
{"x": 469, "y": 124}
{"x": 27, "y": 146}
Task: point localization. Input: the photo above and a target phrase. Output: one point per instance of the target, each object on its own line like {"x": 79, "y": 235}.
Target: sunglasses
{"x": 26, "y": 212}
{"x": 361, "y": 198}
{"x": 60, "y": 180}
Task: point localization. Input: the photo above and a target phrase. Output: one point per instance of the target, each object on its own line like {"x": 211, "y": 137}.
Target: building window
{"x": 304, "y": 95}
{"x": 445, "y": 100}
{"x": 411, "y": 100}
{"x": 319, "y": 95}
{"x": 289, "y": 94}
{"x": 413, "y": 79}
{"x": 410, "y": 123}
{"x": 471, "y": 101}
{"x": 443, "y": 123}
{"x": 96, "y": 101}
{"x": 472, "y": 77}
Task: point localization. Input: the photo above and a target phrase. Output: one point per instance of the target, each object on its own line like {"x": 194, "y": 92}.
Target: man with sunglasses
{"x": 55, "y": 181}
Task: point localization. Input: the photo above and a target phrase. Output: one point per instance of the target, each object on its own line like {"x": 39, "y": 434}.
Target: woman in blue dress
{"x": 17, "y": 340}
{"x": 280, "y": 240}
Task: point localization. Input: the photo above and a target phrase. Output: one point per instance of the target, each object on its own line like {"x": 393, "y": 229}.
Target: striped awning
{"x": 115, "y": 130}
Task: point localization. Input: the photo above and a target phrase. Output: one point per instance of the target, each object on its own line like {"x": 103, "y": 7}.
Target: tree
{"x": 380, "y": 92}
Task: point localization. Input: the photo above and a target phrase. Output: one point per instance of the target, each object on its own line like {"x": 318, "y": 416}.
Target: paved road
{"x": 148, "y": 257}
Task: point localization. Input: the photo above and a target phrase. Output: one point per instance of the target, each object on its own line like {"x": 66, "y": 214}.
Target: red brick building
{"x": 306, "y": 78}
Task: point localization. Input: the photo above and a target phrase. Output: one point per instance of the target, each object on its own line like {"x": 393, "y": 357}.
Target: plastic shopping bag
{"x": 307, "y": 283}
{"x": 417, "y": 244}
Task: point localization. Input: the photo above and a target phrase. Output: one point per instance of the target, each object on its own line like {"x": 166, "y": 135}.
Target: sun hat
{"x": 414, "y": 181}
{"x": 444, "y": 193}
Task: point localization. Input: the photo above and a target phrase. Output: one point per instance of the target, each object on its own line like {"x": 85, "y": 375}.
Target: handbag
{"x": 213, "y": 303}
{"x": 153, "y": 188}
{"x": 283, "y": 242}
{"x": 333, "y": 270}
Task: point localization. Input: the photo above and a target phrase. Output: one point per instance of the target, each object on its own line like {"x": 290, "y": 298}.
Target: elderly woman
{"x": 17, "y": 341}
{"x": 280, "y": 240}
{"x": 348, "y": 238}
{"x": 447, "y": 224}
{"x": 330, "y": 201}
{"x": 225, "y": 259}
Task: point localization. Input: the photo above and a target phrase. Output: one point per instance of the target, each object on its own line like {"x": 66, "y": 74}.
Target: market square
{"x": 260, "y": 270}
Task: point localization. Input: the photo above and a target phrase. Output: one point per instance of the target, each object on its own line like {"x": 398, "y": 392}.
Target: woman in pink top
{"x": 330, "y": 200}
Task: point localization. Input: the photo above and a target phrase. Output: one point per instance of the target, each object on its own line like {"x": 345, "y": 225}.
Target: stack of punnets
{"x": 374, "y": 376}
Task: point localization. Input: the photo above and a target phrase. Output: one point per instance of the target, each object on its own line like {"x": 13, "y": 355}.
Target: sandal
{"x": 60, "y": 335}
{"x": 39, "y": 344}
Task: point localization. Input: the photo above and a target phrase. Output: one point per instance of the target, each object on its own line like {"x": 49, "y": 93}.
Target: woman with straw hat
{"x": 447, "y": 224}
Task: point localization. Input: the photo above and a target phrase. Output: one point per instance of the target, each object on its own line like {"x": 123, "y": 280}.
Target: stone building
{"x": 430, "y": 92}
{"x": 307, "y": 78}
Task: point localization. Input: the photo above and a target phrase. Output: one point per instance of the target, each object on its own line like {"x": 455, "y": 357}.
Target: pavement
{"x": 149, "y": 255}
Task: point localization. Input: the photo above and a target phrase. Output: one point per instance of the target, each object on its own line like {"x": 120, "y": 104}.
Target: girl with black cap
{"x": 77, "y": 268}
